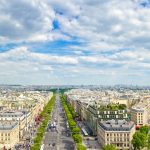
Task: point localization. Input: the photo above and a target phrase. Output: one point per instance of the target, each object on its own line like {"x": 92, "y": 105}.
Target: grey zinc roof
{"x": 116, "y": 125}
{"x": 7, "y": 125}
{"x": 11, "y": 114}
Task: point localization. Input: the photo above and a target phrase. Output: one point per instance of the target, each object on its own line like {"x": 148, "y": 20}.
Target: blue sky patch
{"x": 7, "y": 47}
{"x": 55, "y": 24}
{"x": 59, "y": 47}
{"x": 145, "y": 3}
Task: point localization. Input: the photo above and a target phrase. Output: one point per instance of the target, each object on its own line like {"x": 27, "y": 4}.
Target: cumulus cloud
{"x": 27, "y": 21}
{"x": 23, "y": 54}
{"x": 112, "y": 24}
{"x": 113, "y": 37}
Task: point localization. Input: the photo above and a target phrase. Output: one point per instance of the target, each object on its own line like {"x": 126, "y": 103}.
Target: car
{"x": 54, "y": 124}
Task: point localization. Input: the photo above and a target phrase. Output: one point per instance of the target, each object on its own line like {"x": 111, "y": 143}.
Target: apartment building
{"x": 90, "y": 112}
{"x": 112, "y": 114}
{"x": 140, "y": 113}
{"x": 19, "y": 117}
{"x": 91, "y": 106}
{"x": 9, "y": 134}
{"x": 117, "y": 132}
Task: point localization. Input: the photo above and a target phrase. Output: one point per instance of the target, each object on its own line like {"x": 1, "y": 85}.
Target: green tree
{"x": 77, "y": 138}
{"x": 80, "y": 147}
{"x": 76, "y": 130}
{"x": 144, "y": 129}
{"x": 122, "y": 106}
{"x": 139, "y": 140}
{"x": 72, "y": 123}
{"x": 69, "y": 116}
{"x": 109, "y": 147}
{"x": 148, "y": 146}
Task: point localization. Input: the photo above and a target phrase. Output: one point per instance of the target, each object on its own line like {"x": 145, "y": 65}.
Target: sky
{"x": 96, "y": 42}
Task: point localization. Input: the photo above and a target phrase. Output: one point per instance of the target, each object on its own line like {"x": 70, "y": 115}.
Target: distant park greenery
{"x": 75, "y": 131}
{"x": 141, "y": 138}
{"x": 45, "y": 114}
{"x": 112, "y": 107}
{"x": 63, "y": 90}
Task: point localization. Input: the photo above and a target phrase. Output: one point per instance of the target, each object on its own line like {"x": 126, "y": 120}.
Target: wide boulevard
{"x": 57, "y": 136}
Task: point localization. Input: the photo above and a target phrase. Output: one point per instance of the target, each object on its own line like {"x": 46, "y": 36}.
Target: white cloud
{"x": 95, "y": 59}
{"x": 112, "y": 24}
{"x": 23, "y": 54}
{"x": 21, "y": 66}
{"x": 27, "y": 21}
{"x": 113, "y": 35}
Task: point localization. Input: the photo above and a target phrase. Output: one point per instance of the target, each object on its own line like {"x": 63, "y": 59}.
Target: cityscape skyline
{"x": 82, "y": 43}
{"x": 74, "y": 75}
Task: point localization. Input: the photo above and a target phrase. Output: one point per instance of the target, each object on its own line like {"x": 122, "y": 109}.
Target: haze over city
{"x": 74, "y": 42}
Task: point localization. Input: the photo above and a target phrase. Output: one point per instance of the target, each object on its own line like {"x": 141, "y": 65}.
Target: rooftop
{"x": 112, "y": 106}
{"x": 8, "y": 125}
{"x": 116, "y": 125}
{"x": 11, "y": 114}
{"x": 141, "y": 106}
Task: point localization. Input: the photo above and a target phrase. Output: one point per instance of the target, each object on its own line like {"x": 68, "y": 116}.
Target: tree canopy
{"x": 109, "y": 147}
{"x": 139, "y": 140}
{"x": 144, "y": 129}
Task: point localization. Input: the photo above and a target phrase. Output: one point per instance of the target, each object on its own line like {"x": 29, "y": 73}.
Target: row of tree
{"x": 75, "y": 131}
{"x": 44, "y": 115}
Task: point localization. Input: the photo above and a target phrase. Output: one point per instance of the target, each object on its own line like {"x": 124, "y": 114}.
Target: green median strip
{"x": 75, "y": 131}
{"x": 45, "y": 115}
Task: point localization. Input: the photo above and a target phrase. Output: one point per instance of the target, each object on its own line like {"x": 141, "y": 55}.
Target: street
{"x": 57, "y": 137}
{"x": 90, "y": 141}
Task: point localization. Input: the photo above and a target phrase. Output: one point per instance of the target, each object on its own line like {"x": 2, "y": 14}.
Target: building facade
{"x": 118, "y": 132}
{"x": 16, "y": 122}
{"x": 140, "y": 113}
{"x": 9, "y": 134}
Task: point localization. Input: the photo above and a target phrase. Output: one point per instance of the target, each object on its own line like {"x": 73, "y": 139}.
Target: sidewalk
{"x": 89, "y": 141}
